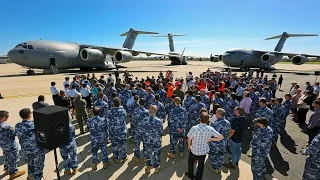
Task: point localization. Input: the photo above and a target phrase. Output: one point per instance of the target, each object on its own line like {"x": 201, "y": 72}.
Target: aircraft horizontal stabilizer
{"x": 138, "y": 32}
{"x": 170, "y": 35}
{"x": 290, "y": 35}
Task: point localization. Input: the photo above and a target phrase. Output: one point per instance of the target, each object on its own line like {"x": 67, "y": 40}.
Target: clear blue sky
{"x": 214, "y": 25}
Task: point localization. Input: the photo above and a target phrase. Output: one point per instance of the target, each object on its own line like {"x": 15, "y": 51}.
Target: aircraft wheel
{"x": 30, "y": 72}
{"x": 184, "y": 63}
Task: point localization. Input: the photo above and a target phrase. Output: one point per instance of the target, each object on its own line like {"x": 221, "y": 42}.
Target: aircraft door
{"x": 53, "y": 65}
{"x": 52, "y": 61}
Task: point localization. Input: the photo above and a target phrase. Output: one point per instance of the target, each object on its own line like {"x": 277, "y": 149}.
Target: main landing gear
{"x": 30, "y": 72}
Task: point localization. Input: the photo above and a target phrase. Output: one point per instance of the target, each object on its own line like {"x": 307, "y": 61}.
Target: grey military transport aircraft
{"x": 249, "y": 58}
{"x": 53, "y": 55}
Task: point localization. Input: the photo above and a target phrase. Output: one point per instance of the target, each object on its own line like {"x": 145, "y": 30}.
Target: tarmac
{"x": 285, "y": 162}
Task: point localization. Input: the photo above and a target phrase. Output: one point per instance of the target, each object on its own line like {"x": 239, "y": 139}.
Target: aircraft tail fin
{"x": 170, "y": 38}
{"x": 131, "y": 37}
{"x": 284, "y": 37}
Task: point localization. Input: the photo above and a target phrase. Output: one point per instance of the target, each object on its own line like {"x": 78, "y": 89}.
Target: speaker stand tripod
{"x": 57, "y": 164}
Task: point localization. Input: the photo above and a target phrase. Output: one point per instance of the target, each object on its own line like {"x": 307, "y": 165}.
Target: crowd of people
{"x": 207, "y": 113}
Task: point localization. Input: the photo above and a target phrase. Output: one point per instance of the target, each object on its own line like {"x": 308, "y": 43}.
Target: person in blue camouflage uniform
{"x": 98, "y": 134}
{"x": 194, "y": 113}
{"x": 263, "y": 111}
{"x": 226, "y": 97}
{"x": 170, "y": 105}
{"x": 260, "y": 89}
{"x": 9, "y": 147}
{"x": 69, "y": 153}
{"x": 118, "y": 131}
{"x": 125, "y": 96}
{"x": 255, "y": 101}
{"x": 108, "y": 92}
{"x": 205, "y": 99}
{"x": 266, "y": 94}
{"x": 287, "y": 106}
{"x": 177, "y": 121}
{"x": 218, "y": 148}
{"x": 103, "y": 106}
{"x": 161, "y": 111}
{"x": 163, "y": 94}
{"x": 149, "y": 98}
{"x": 189, "y": 100}
{"x": 139, "y": 116}
{"x": 230, "y": 106}
{"x": 132, "y": 107}
{"x": 312, "y": 166}
{"x": 260, "y": 144}
{"x": 96, "y": 97}
{"x": 278, "y": 112}
{"x": 141, "y": 92}
{"x": 217, "y": 99}
{"x": 110, "y": 100}
{"x": 33, "y": 154}
{"x": 152, "y": 140}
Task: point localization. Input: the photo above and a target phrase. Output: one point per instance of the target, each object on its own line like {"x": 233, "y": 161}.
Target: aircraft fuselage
{"x": 41, "y": 54}
{"x": 248, "y": 58}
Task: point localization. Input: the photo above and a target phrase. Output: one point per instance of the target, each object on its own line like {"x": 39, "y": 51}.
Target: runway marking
{"x": 26, "y": 95}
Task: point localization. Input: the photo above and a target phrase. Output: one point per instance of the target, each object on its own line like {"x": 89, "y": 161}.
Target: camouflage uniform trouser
{"x": 216, "y": 156}
{"x": 119, "y": 146}
{"x": 137, "y": 138}
{"x": 95, "y": 148}
{"x": 311, "y": 170}
{"x": 276, "y": 131}
{"x": 258, "y": 166}
{"x": 11, "y": 160}
{"x": 151, "y": 150}
{"x": 174, "y": 137}
{"x": 35, "y": 163}
{"x": 69, "y": 156}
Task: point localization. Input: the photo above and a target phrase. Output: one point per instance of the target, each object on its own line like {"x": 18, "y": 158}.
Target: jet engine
{"x": 88, "y": 54}
{"x": 267, "y": 57}
{"x": 298, "y": 60}
{"x": 123, "y": 56}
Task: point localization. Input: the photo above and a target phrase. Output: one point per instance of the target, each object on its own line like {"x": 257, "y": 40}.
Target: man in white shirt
{"x": 54, "y": 91}
{"x": 66, "y": 82}
{"x": 199, "y": 137}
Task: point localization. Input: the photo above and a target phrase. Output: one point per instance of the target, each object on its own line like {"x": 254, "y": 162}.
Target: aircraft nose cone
{"x": 226, "y": 59}
{"x": 10, "y": 55}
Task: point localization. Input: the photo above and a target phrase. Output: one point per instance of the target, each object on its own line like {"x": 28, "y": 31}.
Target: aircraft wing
{"x": 112, "y": 51}
{"x": 294, "y": 54}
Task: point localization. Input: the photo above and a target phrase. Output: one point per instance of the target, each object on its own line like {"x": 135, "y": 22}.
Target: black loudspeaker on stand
{"x": 52, "y": 129}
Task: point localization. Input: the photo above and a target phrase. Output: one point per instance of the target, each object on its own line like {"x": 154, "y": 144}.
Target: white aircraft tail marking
{"x": 284, "y": 37}
{"x": 131, "y": 37}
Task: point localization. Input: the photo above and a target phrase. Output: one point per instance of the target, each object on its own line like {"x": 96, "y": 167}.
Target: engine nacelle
{"x": 123, "y": 56}
{"x": 88, "y": 54}
{"x": 267, "y": 57}
{"x": 299, "y": 59}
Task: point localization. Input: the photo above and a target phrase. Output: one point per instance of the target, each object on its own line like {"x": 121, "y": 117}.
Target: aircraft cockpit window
{"x": 19, "y": 46}
{"x": 30, "y": 47}
{"x": 25, "y": 46}
{"x": 227, "y": 51}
